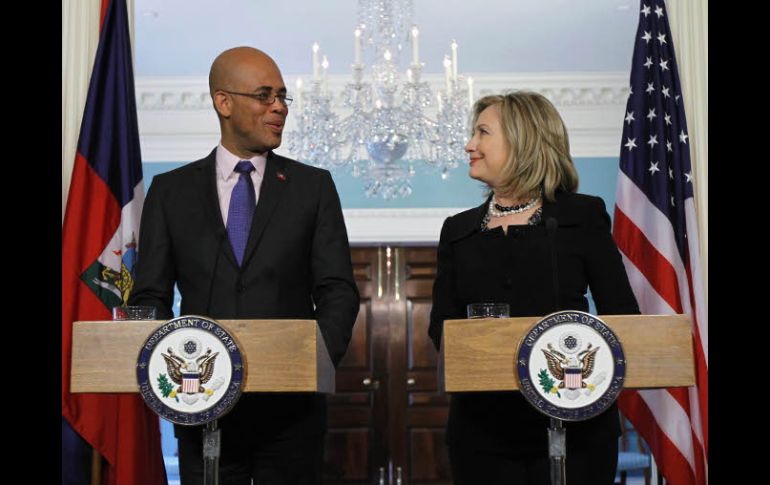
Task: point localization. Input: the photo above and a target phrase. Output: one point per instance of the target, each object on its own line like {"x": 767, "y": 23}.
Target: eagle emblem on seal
{"x": 190, "y": 374}
{"x": 570, "y": 370}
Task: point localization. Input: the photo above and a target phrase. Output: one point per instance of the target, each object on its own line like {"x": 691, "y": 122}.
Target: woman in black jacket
{"x": 536, "y": 245}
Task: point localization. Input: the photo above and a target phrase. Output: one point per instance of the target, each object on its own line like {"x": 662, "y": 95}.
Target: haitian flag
{"x": 101, "y": 227}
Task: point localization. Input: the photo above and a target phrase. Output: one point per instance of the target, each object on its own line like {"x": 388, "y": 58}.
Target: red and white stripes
{"x": 673, "y": 421}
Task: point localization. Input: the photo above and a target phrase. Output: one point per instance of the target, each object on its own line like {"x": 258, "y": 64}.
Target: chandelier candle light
{"x": 387, "y": 130}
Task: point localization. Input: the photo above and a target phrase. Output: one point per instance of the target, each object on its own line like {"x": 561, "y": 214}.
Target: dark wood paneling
{"x": 356, "y": 419}
{"x": 348, "y": 416}
{"x": 347, "y": 457}
{"x": 427, "y": 399}
{"x": 387, "y": 412}
{"x": 428, "y": 417}
{"x": 358, "y": 353}
{"x": 428, "y": 458}
{"x": 425, "y": 459}
{"x": 422, "y": 353}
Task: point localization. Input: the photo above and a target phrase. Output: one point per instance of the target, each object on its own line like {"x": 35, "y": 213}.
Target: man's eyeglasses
{"x": 265, "y": 98}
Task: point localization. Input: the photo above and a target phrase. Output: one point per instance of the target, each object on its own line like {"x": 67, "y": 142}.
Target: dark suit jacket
{"x": 518, "y": 269}
{"x": 296, "y": 265}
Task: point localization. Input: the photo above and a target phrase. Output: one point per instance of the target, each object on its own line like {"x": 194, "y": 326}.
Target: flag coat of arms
{"x": 101, "y": 227}
{"x": 573, "y": 377}
{"x": 655, "y": 228}
{"x": 190, "y": 382}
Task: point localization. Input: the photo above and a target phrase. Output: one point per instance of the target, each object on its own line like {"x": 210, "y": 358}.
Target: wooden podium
{"x": 279, "y": 355}
{"x": 479, "y": 355}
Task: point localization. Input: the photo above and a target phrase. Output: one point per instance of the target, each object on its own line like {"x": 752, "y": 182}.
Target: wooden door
{"x": 419, "y": 411}
{"x": 386, "y": 420}
{"x": 358, "y": 421}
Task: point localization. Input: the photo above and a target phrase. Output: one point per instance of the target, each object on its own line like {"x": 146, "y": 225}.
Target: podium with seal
{"x": 569, "y": 365}
{"x": 191, "y": 370}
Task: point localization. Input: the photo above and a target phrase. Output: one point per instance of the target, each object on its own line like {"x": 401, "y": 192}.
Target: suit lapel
{"x": 270, "y": 193}
{"x": 206, "y": 180}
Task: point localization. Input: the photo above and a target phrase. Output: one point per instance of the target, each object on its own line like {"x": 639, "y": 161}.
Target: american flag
{"x": 656, "y": 231}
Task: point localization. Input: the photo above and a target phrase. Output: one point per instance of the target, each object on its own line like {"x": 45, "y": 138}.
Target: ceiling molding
{"x": 407, "y": 226}
{"x": 177, "y": 121}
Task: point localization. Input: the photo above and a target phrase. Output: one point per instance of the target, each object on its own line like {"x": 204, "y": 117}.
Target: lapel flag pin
{"x": 281, "y": 177}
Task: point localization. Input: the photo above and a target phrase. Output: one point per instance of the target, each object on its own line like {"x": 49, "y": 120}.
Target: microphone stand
{"x": 557, "y": 452}
{"x": 212, "y": 435}
{"x": 557, "y": 434}
{"x": 211, "y": 448}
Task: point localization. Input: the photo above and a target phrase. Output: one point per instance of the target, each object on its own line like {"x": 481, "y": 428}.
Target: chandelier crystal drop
{"x": 386, "y": 129}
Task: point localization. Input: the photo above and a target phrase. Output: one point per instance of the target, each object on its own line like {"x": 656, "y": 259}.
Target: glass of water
{"x": 133, "y": 312}
{"x": 488, "y": 310}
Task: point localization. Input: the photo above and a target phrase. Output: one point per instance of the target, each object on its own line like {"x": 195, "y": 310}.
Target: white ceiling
{"x": 182, "y": 37}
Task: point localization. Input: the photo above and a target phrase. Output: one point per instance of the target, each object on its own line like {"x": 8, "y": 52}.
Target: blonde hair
{"x": 538, "y": 145}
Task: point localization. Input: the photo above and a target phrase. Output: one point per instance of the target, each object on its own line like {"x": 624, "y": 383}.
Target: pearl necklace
{"x": 495, "y": 210}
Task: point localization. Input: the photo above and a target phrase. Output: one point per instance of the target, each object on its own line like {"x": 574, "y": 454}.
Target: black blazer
{"x": 518, "y": 269}
{"x": 296, "y": 265}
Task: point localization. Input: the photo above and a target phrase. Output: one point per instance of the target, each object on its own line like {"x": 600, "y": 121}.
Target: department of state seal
{"x": 570, "y": 365}
{"x": 190, "y": 370}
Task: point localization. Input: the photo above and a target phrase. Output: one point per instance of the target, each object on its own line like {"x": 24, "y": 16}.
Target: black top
{"x": 517, "y": 268}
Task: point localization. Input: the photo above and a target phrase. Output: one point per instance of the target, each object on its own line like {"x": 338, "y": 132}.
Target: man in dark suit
{"x": 245, "y": 233}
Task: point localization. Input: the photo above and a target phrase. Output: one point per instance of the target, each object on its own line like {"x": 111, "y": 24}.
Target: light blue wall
{"x": 597, "y": 177}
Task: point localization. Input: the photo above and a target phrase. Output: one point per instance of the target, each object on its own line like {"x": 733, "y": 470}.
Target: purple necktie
{"x": 241, "y": 211}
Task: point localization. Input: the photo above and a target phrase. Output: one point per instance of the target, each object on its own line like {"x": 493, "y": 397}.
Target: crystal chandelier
{"x": 387, "y": 129}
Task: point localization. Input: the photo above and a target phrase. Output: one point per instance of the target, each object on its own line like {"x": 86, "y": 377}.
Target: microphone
{"x": 221, "y": 236}
{"x": 550, "y": 227}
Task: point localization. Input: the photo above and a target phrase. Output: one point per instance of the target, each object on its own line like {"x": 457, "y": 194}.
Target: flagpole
{"x": 96, "y": 467}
